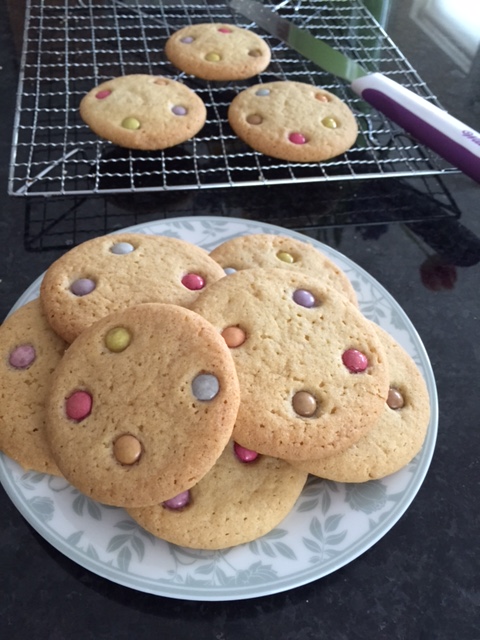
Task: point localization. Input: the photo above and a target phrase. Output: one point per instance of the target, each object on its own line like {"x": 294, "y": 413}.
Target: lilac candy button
{"x": 179, "y": 501}
{"x": 178, "y": 110}
{"x": 82, "y": 286}
{"x": 22, "y": 357}
{"x": 304, "y": 298}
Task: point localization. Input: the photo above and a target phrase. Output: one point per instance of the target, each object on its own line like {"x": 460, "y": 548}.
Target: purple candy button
{"x": 82, "y": 286}
{"x": 178, "y": 502}
{"x": 304, "y": 298}
{"x": 178, "y": 110}
{"x": 22, "y": 357}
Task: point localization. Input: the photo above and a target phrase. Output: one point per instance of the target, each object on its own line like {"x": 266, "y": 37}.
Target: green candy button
{"x": 131, "y": 123}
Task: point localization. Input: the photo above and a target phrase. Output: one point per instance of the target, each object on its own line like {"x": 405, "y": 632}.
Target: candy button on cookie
{"x": 127, "y": 449}
{"x": 304, "y": 404}
{"x": 304, "y": 298}
{"x": 193, "y": 281}
{"x": 214, "y": 51}
{"x": 78, "y": 405}
{"x": 82, "y": 287}
{"x": 234, "y": 336}
{"x": 131, "y": 123}
{"x": 244, "y": 454}
{"x": 395, "y": 399}
{"x": 178, "y": 502}
{"x": 122, "y": 248}
{"x": 355, "y": 360}
{"x": 297, "y": 138}
{"x": 22, "y": 356}
{"x": 117, "y": 339}
{"x": 205, "y": 386}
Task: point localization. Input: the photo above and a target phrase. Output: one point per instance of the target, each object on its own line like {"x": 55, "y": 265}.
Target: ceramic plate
{"x": 331, "y": 524}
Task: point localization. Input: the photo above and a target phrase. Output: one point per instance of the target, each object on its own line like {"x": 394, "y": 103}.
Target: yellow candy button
{"x": 329, "y": 122}
{"x": 285, "y": 257}
{"x": 213, "y": 57}
{"x": 131, "y": 123}
{"x": 117, "y": 339}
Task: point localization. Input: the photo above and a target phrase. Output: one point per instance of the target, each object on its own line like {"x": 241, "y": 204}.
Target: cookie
{"x": 241, "y": 498}
{"x": 312, "y": 370}
{"x": 142, "y": 405}
{"x": 30, "y": 351}
{"x": 270, "y": 250}
{"x": 293, "y": 121}
{"x": 143, "y": 112}
{"x": 397, "y": 436}
{"x": 110, "y": 272}
{"x": 217, "y": 51}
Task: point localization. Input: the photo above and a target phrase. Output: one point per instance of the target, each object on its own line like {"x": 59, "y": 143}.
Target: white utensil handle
{"x": 434, "y": 127}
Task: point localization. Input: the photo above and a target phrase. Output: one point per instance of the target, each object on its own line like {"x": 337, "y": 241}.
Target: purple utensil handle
{"x": 451, "y": 139}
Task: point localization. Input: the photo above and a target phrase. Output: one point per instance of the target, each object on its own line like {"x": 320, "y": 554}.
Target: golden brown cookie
{"x": 313, "y": 373}
{"x": 218, "y": 51}
{"x": 142, "y": 405}
{"x": 270, "y": 250}
{"x": 293, "y": 121}
{"x": 240, "y": 499}
{"x": 143, "y": 112}
{"x": 30, "y": 351}
{"x": 397, "y": 436}
{"x": 110, "y": 272}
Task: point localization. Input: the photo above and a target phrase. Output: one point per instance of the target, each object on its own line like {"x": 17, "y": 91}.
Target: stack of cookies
{"x": 289, "y": 120}
{"x": 198, "y": 390}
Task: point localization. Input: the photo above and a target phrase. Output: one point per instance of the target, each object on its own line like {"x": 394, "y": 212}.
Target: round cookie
{"x": 397, "y": 436}
{"x": 293, "y": 121}
{"x": 217, "y": 51}
{"x": 30, "y": 351}
{"x": 236, "y": 502}
{"x": 312, "y": 371}
{"x": 139, "y": 111}
{"x": 107, "y": 273}
{"x": 142, "y": 405}
{"x": 270, "y": 250}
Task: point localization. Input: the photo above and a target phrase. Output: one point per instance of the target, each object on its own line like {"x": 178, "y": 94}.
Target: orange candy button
{"x": 233, "y": 336}
{"x": 127, "y": 449}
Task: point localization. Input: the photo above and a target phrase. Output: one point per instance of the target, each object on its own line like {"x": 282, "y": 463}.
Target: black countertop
{"x": 420, "y": 238}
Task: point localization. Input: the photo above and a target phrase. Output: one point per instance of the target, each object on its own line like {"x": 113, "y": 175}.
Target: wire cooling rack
{"x": 70, "y": 46}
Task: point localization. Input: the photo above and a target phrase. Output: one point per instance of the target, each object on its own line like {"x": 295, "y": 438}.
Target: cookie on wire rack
{"x": 144, "y": 112}
{"x": 218, "y": 51}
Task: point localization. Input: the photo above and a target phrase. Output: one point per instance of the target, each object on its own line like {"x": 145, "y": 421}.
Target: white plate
{"x": 331, "y": 524}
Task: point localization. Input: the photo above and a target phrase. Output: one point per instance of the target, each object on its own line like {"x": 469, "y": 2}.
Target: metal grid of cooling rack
{"x": 71, "y": 46}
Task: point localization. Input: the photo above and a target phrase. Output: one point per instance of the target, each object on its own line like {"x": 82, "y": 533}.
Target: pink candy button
{"x": 79, "y": 405}
{"x": 193, "y": 281}
{"x": 297, "y": 138}
{"x": 178, "y": 502}
{"x": 101, "y": 95}
{"x": 245, "y": 455}
{"x": 355, "y": 360}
